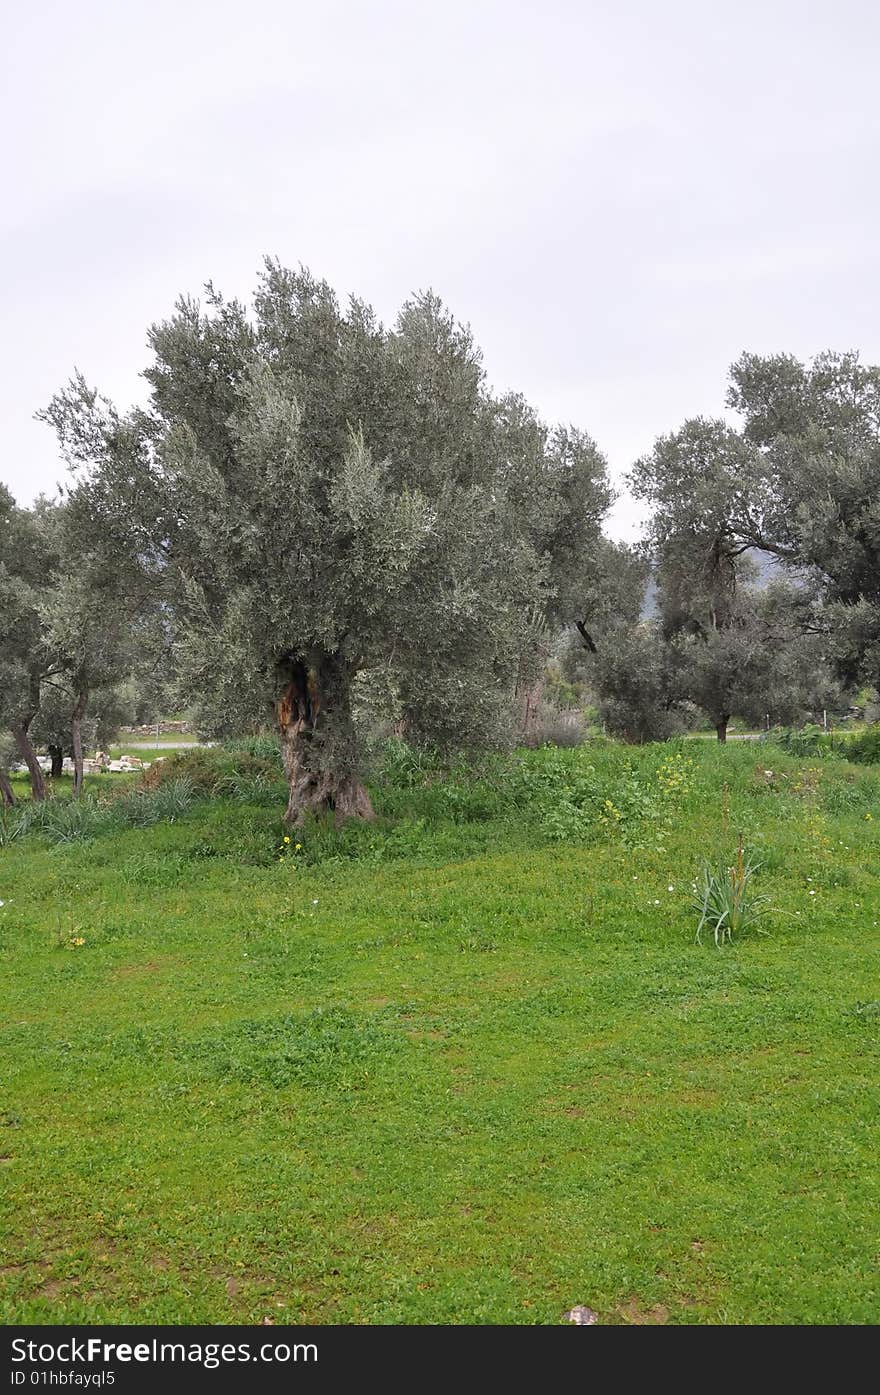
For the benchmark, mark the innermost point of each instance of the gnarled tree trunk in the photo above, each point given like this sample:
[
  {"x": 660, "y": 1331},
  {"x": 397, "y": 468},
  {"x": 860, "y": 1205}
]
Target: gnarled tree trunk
[
  {"x": 528, "y": 697},
  {"x": 7, "y": 794},
  {"x": 318, "y": 745},
  {"x": 721, "y": 728},
  {"x": 29, "y": 756},
  {"x": 79, "y": 711},
  {"x": 23, "y": 742},
  {"x": 56, "y": 756}
]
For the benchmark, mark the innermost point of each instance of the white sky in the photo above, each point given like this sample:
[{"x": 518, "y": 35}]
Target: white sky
[{"x": 619, "y": 197}]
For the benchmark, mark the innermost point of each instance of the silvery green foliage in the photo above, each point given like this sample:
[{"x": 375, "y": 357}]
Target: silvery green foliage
[
  {"x": 84, "y": 627},
  {"x": 815, "y": 430},
  {"x": 612, "y": 601},
  {"x": 51, "y": 728},
  {"x": 66, "y": 632},
  {"x": 638, "y": 685},
  {"x": 376, "y": 706},
  {"x": 310, "y": 488},
  {"x": 698, "y": 482},
  {"x": 740, "y": 651},
  {"x": 108, "y": 710},
  {"x": 28, "y": 560},
  {"x": 761, "y": 665}
]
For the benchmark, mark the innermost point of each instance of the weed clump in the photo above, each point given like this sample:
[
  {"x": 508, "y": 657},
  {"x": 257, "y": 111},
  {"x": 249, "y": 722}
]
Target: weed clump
[{"x": 725, "y": 899}]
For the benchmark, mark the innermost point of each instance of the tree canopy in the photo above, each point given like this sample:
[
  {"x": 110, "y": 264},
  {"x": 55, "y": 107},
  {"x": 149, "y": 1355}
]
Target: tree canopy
[{"x": 315, "y": 496}]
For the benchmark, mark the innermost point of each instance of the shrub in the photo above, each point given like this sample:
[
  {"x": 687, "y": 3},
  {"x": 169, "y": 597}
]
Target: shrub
[
  {"x": 264, "y": 748},
  {"x": 201, "y": 766},
  {"x": 236, "y": 770},
  {"x": 557, "y": 726},
  {"x": 865, "y": 747},
  {"x": 805, "y": 741}
]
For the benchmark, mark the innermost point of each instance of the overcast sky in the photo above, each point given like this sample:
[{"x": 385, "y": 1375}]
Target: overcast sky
[{"x": 619, "y": 197}]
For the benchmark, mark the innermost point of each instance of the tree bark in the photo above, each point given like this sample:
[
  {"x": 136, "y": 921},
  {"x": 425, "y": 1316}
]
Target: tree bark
[
  {"x": 529, "y": 697},
  {"x": 318, "y": 744},
  {"x": 79, "y": 711},
  {"x": 7, "y": 794},
  {"x": 721, "y": 728},
  {"x": 29, "y": 756},
  {"x": 23, "y": 742},
  {"x": 56, "y": 755}
]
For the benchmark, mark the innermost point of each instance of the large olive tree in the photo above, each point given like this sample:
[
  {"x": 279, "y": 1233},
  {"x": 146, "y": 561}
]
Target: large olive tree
[{"x": 314, "y": 495}]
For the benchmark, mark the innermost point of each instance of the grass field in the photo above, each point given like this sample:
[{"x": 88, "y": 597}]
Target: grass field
[{"x": 468, "y": 1065}]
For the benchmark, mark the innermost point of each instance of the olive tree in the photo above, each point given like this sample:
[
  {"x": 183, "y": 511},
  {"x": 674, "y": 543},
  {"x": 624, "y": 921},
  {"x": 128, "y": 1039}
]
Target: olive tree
[
  {"x": 86, "y": 632},
  {"x": 28, "y": 559},
  {"x": 315, "y": 496},
  {"x": 638, "y": 685},
  {"x": 814, "y": 430},
  {"x": 744, "y": 650},
  {"x": 55, "y": 725}
]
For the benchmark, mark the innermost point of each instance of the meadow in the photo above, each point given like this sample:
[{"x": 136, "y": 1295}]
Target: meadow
[{"x": 465, "y": 1065}]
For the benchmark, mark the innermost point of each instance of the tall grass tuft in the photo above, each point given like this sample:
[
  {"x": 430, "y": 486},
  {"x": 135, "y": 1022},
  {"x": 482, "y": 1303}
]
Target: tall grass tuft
[
  {"x": 140, "y": 808},
  {"x": 725, "y": 899}
]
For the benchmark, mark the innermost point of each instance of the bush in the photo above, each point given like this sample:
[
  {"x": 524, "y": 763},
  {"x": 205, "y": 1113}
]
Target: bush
[
  {"x": 865, "y": 748},
  {"x": 250, "y": 773},
  {"x": 236, "y": 769},
  {"x": 77, "y": 820},
  {"x": 816, "y": 741},
  {"x": 806, "y": 741},
  {"x": 251, "y": 789},
  {"x": 201, "y": 766},
  {"x": 557, "y": 726},
  {"x": 265, "y": 748}
]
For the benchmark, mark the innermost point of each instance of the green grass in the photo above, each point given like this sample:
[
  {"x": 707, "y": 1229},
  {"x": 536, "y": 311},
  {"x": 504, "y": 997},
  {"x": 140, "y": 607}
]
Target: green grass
[
  {"x": 465, "y": 1066},
  {"x": 63, "y": 785}
]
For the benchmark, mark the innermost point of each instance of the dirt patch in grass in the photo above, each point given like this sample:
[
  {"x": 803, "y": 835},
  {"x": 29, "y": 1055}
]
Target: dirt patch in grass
[
  {"x": 152, "y": 966},
  {"x": 637, "y": 1315}
]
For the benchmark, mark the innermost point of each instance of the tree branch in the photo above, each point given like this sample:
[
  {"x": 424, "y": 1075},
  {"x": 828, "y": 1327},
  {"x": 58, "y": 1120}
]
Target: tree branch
[{"x": 585, "y": 636}]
